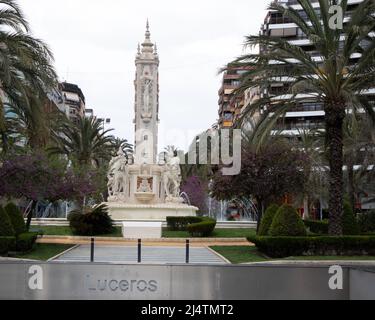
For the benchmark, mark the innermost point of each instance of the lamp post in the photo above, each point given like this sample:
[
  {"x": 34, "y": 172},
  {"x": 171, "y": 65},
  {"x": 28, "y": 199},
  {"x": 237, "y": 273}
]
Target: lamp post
[{"x": 105, "y": 121}]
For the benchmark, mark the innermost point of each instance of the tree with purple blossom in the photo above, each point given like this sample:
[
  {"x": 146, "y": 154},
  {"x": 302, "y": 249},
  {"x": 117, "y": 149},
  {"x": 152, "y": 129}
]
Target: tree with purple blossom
[
  {"x": 197, "y": 193},
  {"x": 268, "y": 174},
  {"x": 35, "y": 177}
]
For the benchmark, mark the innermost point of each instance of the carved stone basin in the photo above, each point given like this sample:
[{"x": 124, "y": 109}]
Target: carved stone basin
[{"x": 145, "y": 197}]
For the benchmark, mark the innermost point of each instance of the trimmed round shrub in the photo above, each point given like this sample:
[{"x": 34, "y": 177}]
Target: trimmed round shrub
[
  {"x": 350, "y": 225},
  {"x": 6, "y": 228},
  {"x": 25, "y": 241},
  {"x": 16, "y": 218},
  {"x": 287, "y": 223},
  {"x": 205, "y": 228},
  {"x": 181, "y": 223},
  {"x": 91, "y": 222},
  {"x": 267, "y": 219},
  {"x": 366, "y": 222}
]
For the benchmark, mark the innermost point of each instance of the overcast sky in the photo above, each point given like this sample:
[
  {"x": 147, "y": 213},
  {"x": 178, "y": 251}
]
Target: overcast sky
[{"x": 94, "y": 43}]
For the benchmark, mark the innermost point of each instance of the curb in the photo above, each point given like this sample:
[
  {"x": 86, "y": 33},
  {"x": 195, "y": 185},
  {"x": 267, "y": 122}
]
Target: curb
[
  {"x": 124, "y": 240},
  {"x": 61, "y": 253},
  {"x": 219, "y": 255}
]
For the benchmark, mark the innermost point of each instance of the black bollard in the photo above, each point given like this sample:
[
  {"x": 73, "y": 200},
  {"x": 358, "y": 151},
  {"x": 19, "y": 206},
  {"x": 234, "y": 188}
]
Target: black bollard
[
  {"x": 92, "y": 250},
  {"x": 187, "y": 251},
  {"x": 139, "y": 250}
]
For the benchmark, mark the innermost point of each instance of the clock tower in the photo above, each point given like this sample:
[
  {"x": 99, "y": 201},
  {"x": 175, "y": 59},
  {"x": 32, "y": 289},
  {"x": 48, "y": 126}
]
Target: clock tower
[{"x": 146, "y": 102}]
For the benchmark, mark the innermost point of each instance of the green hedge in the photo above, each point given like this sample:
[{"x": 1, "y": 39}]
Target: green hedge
[
  {"x": 267, "y": 219},
  {"x": 366, "y": 221},
  {"x": 6, "y": 228},
  {"x": 181, "y": 223},
  {"x": 202, "y": 229},
  {"x": 196, "y": 226},
  {"x": 25, "y": 241},
  {"x": 6, "y": 243},
  {"x": 16, "y": 218},
  {"x": 280, "y": 247},
  {"x": 316, "y": 226}
]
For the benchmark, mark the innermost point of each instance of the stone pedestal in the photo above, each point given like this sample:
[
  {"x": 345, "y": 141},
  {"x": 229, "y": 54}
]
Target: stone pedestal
[
  {"x": 142, "y": 230},
  {"x": 156, "y": 212}
]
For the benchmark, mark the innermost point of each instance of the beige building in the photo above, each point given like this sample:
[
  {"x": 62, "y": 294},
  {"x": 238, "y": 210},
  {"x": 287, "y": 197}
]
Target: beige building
[{"x": 72, "y": 101}]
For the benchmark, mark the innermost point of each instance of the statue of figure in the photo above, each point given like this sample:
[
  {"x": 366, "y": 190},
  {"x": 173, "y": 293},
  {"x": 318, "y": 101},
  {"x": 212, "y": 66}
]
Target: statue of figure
[
  {"x": 145, "y": 186},
  {"x": 118, "y": 175},
  {"x": 172, "y": 176},
  {"x": 146, "y": 95}
]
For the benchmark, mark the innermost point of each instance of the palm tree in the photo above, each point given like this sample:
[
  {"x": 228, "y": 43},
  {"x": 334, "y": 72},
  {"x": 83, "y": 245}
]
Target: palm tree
[
  {"x": 332, "y": 78},
  {"x": 83, "y": 141},
  {"x": 26, "y": 72},
  {"x": 126, "y": 147}
]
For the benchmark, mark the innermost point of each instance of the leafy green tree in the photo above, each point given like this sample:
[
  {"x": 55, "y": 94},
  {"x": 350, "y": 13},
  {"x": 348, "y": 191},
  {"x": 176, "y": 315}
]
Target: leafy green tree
[
  {"x": 6, "y": 228},
  {"x": 16, "y": 218},
  {"x": 333, "y": 79}
]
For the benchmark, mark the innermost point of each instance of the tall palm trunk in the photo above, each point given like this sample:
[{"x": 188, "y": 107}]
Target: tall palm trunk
[
  {"x": 351, "y": 184},
  {"x": 335, "y": 115}
]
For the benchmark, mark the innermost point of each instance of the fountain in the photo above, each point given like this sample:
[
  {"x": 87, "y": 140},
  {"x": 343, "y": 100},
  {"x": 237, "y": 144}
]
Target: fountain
[
  {"x": 240, "y": 209},
  {"x": 146, "y": 186}
]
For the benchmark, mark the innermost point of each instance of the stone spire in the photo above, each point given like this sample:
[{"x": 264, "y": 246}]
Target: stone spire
[
  {"x": 147, "y": 45},
  {"x": 148, "y": 34}
]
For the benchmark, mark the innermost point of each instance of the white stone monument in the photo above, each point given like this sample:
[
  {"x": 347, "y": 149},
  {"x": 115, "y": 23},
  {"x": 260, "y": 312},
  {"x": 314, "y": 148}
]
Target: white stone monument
[{"x": 143, "y": 187}]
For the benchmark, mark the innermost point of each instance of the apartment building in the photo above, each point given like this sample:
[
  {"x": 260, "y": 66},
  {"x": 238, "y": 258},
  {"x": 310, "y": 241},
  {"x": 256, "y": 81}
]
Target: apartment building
[
  {"x": 72, "y": 101},
  {"x": 230, "y": 107}
]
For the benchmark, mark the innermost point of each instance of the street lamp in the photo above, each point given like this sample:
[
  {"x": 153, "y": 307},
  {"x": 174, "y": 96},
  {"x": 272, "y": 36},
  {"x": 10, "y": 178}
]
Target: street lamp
[{"x": 106, "y": 121}]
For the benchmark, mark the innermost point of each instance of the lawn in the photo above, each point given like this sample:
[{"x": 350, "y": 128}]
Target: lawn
[
  {"x": 245, "y": 254},
  {"x": 218, "y": 233},
  {"x": 66, "y": 231},
  {"x": 43, "y": 252},
  {"x": 239, "y": 254}
]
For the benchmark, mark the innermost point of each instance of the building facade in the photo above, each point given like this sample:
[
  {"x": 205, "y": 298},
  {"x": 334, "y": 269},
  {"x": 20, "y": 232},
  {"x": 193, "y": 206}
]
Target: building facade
[
  {"x": 230, "y": 107},
  {"x": 72, "y": 101}
]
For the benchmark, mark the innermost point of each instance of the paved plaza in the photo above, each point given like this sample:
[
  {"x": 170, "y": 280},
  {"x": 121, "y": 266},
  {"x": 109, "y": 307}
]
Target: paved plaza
[{"x": 150, "y": 255}]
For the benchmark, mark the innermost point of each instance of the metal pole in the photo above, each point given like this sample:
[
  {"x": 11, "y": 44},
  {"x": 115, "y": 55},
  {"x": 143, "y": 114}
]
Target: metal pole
[
  {"x": 139, "y": 250},
  {"x": 92, "y": 250},
  {"x": 187, "y": 251}
]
